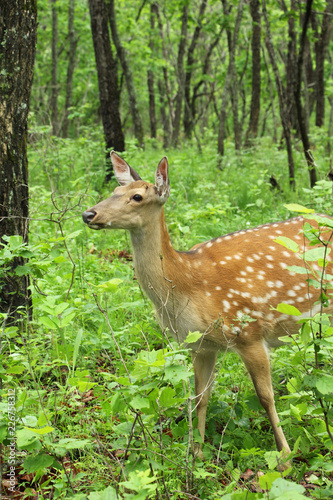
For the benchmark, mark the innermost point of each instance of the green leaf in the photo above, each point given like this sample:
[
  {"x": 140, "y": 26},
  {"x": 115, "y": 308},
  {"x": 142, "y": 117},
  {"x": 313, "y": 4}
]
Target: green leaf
[
  {"x": 111, "y": 285},
  {"x": 73, "y": 235},
  {"x": 325, "y": 384},
  {"x": 288, "y": 309},
  {"x": 46, "y": 321},
  {"x": 288, "y": 243},
  {"x": 295, "y": 207},
  {"x": 77, "y": 344},
  {"x": 193, "y": 337},
  {"x": 266, "y": 481},
  {"x": 315, "y": 254},
  {"x": 166, "y": 397},
  {"x": 108, "y": 494},
  {"x": 285, "y": 490},
  {"x": 44, "y": 430},
  {"x": 37, "y": 462},
  {"x": 298, "y": 269}
]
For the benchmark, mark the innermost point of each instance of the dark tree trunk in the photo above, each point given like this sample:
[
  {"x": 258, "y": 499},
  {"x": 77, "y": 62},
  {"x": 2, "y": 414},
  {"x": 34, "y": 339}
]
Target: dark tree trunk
[
  {"x": 134, "y": 108},
  {"x": 107, "y": 79},
  {"x": 150, "y": 78},
  {"x": 298, "y": 87},
  {"x": 70, "y": 68},
  {"x": 281, "y": 97},
  {"x": 252, "y": 130},
  {"x": 164, "y": 88},
  {"x": 320, "y": 49},
  {"x": 54, "y": 72},
  {"x": 231, "y": 74},
  {"x": 180, "y": 77},
  {"x": 188, "y": 117},
  {"x": 18, "y": 31},
  {"x": 290, "y": 70}
]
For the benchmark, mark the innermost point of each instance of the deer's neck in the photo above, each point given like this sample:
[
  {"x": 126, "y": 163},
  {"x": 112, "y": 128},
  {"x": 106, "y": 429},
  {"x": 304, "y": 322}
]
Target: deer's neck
[{"x": 153, "y": 258}]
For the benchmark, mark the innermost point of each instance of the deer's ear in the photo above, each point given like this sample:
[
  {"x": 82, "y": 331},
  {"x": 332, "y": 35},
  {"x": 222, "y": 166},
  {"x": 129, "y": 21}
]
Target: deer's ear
[
  {"x": 162, "y": 180},
  {"x": 123, "y": 172}
]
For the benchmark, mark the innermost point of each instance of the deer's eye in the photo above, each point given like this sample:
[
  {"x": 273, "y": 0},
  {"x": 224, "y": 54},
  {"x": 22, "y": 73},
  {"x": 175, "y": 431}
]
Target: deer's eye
[{"x": 137, "y": 197}]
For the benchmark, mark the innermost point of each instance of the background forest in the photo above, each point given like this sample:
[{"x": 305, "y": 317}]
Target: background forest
[{"x": 239, "y": 96}]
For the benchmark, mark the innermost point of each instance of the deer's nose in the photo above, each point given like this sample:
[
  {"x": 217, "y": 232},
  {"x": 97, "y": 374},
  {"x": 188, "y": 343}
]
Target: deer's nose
[{"x": 88, "y": 216}]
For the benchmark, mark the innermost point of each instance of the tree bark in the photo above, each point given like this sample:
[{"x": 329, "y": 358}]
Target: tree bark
[
  {"x": 107, "y": 80},
  {"x": 54, "y": 72},
  {"x": 150, "y": 77},
  {"x": 188, "y": 118},
  {"x": 320, "y": 50},
  {"x": 281, "y": 97},
  {"x": 252, "y": 130},
  {"x": 298, "y": 87},
  {"x": 134, "y": 108},
  {"x": 180, "y": 77},
  {"x": 18, "y": 31},
  {"x": 231, "y": 73},
  {"x": 70, "y": 68}
]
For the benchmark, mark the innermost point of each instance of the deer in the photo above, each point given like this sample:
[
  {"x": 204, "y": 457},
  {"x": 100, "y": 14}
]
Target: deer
[{"x": 226, "y": 288}]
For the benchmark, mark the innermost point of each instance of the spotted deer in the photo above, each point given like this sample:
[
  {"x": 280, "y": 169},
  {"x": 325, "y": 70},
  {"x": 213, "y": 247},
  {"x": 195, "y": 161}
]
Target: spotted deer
[{"x": 223, "y": 288}]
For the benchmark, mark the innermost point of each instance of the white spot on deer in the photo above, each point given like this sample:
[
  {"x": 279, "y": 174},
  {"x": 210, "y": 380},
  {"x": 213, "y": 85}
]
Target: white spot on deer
[
  {"x": 297, "y": 287},
  {"x": 262, "y": 272},
  {"x": 243, "y": 273},
  {"x": 235, "y": 303},
  {"x": 226, "y": 305},
  {"x": 205, "y": 282},
  {"x": 269, "y": 317},
  {"x": 275, "y": 225},
  {"x": 241, "y": 280},
  {"x": 283, "y": 265},
  {"x": 256, "y": 257},
  {"x": 257, "y": 314},
  {"x": 199, "y": 250},
  {"x": 300, "y": 299},
  {"x": 285, "y": 253},
  {"x": 208, "y": 294},
  {"x": 228, "y": 257},
  {"x": 227, "y": 237},
  {"x": 249, "y": 269},
  {"x": 222, "y": 262},
  {"x": 209, "y": 244},
  {"x": 278, "y": 231},
  {"x": 270, "y": 266},
  {"x": 213, "y": 263},
  {"x": 249, "y": 259},
  {"x": 237, "y": 256},
  {"x": 269, "y": 257},
  {"x": 260, "y": 277},
  {"x": 218, "y": 240},
  {"x": 245, "y": 295},
  {"x": 218, "y": 288}
]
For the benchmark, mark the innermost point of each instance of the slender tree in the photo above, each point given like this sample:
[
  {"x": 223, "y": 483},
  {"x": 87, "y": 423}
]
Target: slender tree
[
  {"x": 107, "y": 79},
  {"x": 150, "y": 76},
  {"x": 180, "y": 76},
  {"x": 54, "y": 71},
  {"x": 252, "y": 130},
  {"x": 70, "y": 68},
  {"x": 18, "y": 29},
  {"x": 133, "y": 104},
  {"x": 299, "y": 108},
  {"x": 281, "y": 97}
]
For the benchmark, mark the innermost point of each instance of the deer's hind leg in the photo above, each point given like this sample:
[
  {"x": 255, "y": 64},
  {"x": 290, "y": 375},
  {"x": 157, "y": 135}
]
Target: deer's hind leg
[
  {"x": 204, "y": 364},
  {"x": 256, "y": 360}
]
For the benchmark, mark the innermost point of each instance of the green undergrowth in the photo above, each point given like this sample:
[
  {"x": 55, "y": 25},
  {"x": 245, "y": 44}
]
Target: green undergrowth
[{"x": 101, "y": 397}]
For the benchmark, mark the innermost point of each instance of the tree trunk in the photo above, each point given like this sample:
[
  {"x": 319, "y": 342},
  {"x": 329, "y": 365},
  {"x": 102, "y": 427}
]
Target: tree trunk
[
  {"x": 150, "y": 78},
  {"x": 281, "y": 97},
  {"x": 107, "y": 79},
  {"x": 70, "y": 68},
  {"x": 188, "y": 118},
  {"x": 300, "y": 111},
  {"x": 54, "y": 72},
  {"x": 252, "y": 130},
  {"x": 231, "y": 73},
  {"x": 180, "y": 77},
  {"x": 320, "y": 49},
  {"x": 18, "y": 31},
  {"x": 134, "y": 109}
]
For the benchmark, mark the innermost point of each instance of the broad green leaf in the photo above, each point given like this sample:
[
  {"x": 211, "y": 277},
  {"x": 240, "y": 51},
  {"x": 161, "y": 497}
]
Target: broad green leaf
[
  {"x": 286, "y": 490},
  {"x": 295, "y": 207},
  {"x": 111, "y": 285},
  {"x": 166, "y": 397},
  {"x": 77, "y": 344},
  {"x": 74, "y": 234},
  {"x": 288, "y": 243},
  {"x": 37, "y": 462},
  {"x": 298, "y": 269},
  {"x": 325, "y": 384},
  {"x": 288, "y": 309},
  {"x": 44, "y": 430},
  {"x": 266, "y": 481},
  {"x": 315, "y": 254},
  {"x": 193, "y": 337},
  {"x": 73, "y": 444},
  {"x": 49, "y": 323},
  {"x": 108, "y": 494}
]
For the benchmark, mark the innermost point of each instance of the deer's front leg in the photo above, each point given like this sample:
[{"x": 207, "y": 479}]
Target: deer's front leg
[{"x": 204, "y": 364}]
